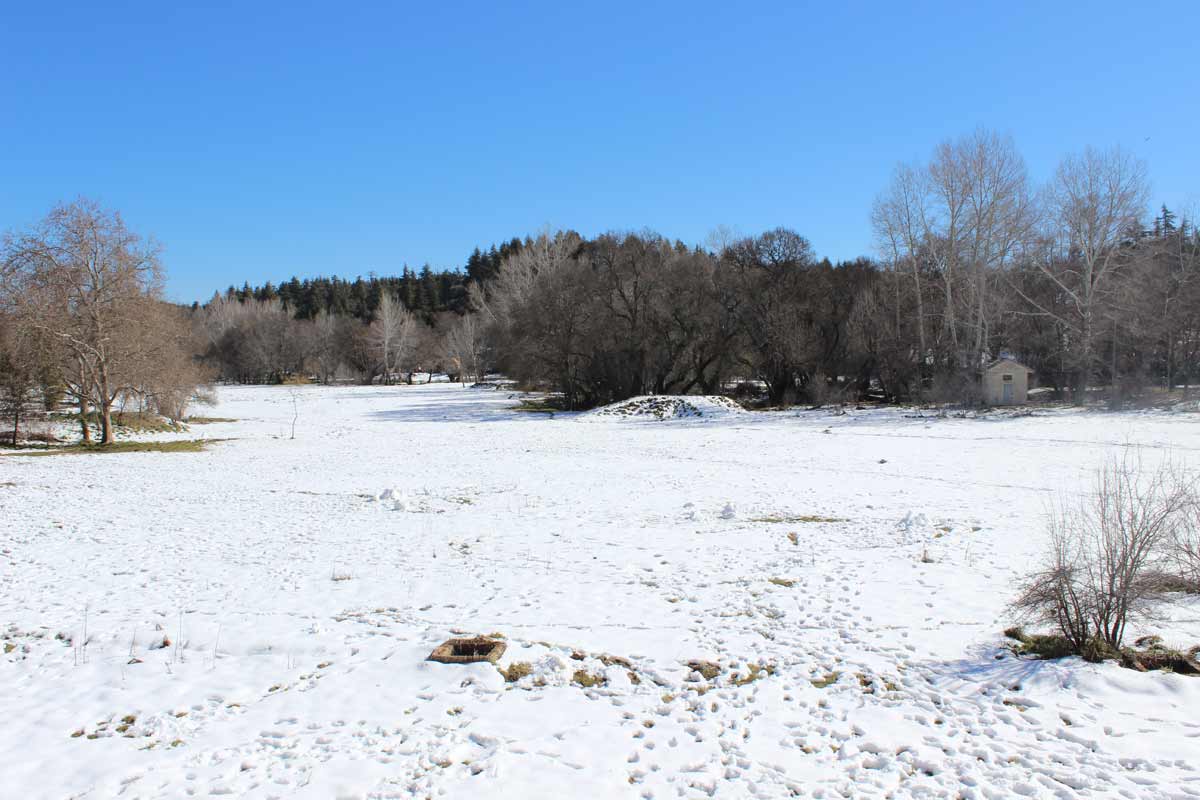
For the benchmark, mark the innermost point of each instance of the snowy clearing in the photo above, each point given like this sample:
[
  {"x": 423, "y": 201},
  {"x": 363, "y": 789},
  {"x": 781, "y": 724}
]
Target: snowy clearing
[{"x": 253, "y": 620}]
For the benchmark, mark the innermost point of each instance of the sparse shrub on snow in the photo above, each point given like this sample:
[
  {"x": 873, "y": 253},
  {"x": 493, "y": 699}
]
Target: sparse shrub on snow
[{"x": 1106, "y": 551}]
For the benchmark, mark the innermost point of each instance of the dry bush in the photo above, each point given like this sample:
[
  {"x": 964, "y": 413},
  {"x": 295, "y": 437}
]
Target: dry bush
[
  {"x": 1106, "y": 550},
  {"x": 1185, "y": 548}
]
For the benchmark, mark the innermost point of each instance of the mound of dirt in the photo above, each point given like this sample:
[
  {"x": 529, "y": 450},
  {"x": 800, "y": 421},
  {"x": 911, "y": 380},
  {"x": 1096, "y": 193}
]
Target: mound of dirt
[{"x": 665, "y": 407}]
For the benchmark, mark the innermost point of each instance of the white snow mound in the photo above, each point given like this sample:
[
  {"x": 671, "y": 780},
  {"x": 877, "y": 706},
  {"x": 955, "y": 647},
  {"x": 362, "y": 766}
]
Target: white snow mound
[{"x": 664, "y": 407}]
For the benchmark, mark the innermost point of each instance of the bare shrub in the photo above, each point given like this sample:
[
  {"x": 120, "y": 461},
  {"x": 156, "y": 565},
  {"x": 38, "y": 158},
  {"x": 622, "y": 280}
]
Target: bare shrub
[
  {"x": 1185, "y": 548},
  {"x": 1106, "y": 548}
]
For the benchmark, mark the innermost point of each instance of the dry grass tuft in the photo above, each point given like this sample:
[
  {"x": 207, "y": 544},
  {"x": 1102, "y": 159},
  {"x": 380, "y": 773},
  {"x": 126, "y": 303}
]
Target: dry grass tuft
[
  {"x": 778, "y": 519},
  {"x": 516, "y": 670},
  {"x": 754, "y": 672},
  {"x": 588, "y": 680},
  {"x": 828, "y": 680}
]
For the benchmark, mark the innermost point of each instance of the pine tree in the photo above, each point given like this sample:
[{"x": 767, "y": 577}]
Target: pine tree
[
  {"x": 428, "y": 295},
  {"x": 1168, "y": 221}
]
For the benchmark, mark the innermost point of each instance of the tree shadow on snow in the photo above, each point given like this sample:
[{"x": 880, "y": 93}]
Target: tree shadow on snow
[
  {"x": 999, "y": 668},
  {"x": 467, "y": 409}
]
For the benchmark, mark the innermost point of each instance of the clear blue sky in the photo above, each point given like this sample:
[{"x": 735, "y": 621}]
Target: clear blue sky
[{"x": 261, "y": 140}]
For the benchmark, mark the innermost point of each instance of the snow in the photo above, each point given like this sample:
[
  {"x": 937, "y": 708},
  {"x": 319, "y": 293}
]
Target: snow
[{"x": 258, "y": 615}]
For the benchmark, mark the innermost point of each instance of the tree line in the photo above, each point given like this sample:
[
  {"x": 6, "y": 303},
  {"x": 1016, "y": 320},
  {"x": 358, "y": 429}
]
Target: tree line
[
  {"x": 263, "y": 341},
  {"x": 424, "y": 291},
  {"x": 973, "y": 261}
]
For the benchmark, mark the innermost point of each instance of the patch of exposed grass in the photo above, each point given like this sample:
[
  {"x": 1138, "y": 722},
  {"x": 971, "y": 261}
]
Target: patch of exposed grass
[
  {"x": 1043, "y": 646},
  {"x": 779, "y": 519},
  {"x": 753, "y": 673},
  {"x": 870, "y": 684},
  {"x": 130, "y": 421},
  {"x": 516, "y": 670},
  {"x": 587, "y": 680},
  {"x": 786, "y": 583},
  {"x": 615, "y": 661},
  {"x": 208, "y": 420},
  {"x": 827, "y": 680},
  {"x": 178, "y": 446},
  {"x": 1148, "y": 654},
  {"x": 1158, "y": 657},
  {"x": 707, "y": 669}
]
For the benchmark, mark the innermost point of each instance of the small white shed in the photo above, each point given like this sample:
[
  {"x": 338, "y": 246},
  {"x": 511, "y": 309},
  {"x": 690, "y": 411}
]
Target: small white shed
[{"x": 1005, "y": 383}]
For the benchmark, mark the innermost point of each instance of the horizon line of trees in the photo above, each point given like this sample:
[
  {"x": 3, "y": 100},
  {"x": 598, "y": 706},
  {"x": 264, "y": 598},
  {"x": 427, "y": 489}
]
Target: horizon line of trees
[
  {"x": 383, "y": 328},
  {"x": 426, "y": 291},
  {"x": 974, "y": 262}
]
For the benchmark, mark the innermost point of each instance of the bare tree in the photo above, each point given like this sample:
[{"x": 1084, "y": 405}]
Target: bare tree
[
  {"x": 953, "y": 225},
  {"x": 898, "y": 219},
  {"x": 89, "y": 283},
  {"x": 19, "y": 366},
  {"x": 165, "y": 373},
  {"x": 391, "y": 333},
  {"x": 465, "y": 345},
  {"x": 1000, "y": 219},
  {"x": 770, "y": 273},
  {"x": 325, "y": 346},
  {"x": 518, "y": 275},
  {"x": 1094, "y": 202},
  {"x": 945, "y": 229}
]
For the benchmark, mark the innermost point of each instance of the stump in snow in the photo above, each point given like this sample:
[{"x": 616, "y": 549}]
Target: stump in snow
[{"x": 468, "y": 651}]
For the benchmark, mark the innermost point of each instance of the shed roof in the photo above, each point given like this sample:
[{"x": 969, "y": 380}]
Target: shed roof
[{"x": 1000, "y": 361}]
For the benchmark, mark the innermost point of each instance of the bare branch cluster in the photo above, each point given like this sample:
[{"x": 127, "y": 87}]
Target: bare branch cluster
[{"x": 1110, "y": 552}]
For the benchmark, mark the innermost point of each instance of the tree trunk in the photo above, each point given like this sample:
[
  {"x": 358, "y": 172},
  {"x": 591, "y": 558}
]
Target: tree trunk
[
  {"x": 1114, "y": 397},
  {"x": 83, "y": 420},
  {"x": 1085, "y": 360},
  {"x": 106, "y": 432}
]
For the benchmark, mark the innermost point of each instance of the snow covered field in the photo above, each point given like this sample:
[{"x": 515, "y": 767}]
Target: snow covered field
[{"x": 257, "y": 619}]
